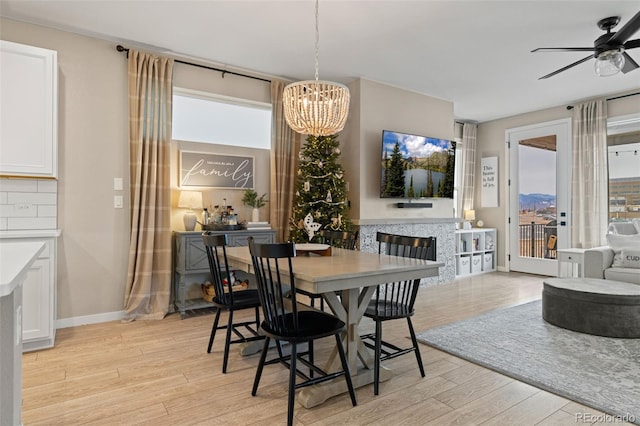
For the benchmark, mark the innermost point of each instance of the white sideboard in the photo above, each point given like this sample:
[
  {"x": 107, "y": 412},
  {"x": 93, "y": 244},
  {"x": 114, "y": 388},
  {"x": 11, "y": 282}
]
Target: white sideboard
[
  {"x": 475, "y": 250},
  {"x": 28, "y": 110}
]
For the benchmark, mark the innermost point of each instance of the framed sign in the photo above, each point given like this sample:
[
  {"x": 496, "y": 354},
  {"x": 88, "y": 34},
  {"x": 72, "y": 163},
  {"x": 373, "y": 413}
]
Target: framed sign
[
  {"x": 489, "y": 182},
  {"x": 216, "y": 170}
]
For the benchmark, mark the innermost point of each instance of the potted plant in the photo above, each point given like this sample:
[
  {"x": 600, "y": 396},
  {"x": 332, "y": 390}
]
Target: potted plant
[{"x": 251, "y": 199}]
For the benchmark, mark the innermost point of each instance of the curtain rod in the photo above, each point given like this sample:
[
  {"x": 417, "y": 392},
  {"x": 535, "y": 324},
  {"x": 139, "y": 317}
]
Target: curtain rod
[
  {"x": 570, "y": 107},
  {"x": 121, "y": 48}
]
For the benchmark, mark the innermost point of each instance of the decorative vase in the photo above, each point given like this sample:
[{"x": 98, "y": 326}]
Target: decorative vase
[
  {"x": 189, "y": 219},
  {"x": 255, "y": 214}
]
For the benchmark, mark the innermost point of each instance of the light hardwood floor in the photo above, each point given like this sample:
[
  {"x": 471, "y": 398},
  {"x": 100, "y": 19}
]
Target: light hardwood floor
[{"x": 158, "y": 373}]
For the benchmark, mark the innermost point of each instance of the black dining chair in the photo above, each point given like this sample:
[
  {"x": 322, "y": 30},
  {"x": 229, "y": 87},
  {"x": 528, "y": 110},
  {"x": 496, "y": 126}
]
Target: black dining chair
[
  {"x": 340, "y": 239},
  {"x": 395, "y": 300},
  {"x": 226, "y": 299},
  {"x": 284, "y": 322}
]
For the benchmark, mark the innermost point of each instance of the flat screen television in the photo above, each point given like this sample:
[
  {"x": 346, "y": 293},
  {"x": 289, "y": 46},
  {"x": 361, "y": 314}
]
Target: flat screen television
[{"x": 416, "y": 166}]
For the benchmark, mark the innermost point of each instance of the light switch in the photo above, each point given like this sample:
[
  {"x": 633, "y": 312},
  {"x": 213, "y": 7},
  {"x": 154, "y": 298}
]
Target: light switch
[
  {"x": 117, "y": 201},
  {"x": 117, "y": 184}
]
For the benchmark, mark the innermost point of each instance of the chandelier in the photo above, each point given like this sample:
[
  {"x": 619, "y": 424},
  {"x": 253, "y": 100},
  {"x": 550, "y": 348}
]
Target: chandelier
[{"x": 316, "y": 107}]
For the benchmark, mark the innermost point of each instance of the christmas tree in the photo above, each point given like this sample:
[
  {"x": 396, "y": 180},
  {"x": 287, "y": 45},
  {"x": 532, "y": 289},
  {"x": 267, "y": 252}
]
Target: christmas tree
[{"x": 320, "y": 201}]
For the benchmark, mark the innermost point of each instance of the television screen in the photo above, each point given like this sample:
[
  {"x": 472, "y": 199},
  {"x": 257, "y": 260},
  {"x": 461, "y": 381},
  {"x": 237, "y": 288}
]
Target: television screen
[{"x": 416, "y": 166}]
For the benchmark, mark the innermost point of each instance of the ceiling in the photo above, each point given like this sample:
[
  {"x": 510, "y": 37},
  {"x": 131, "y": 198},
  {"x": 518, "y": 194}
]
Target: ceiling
[{"x": 476, "y": 54}]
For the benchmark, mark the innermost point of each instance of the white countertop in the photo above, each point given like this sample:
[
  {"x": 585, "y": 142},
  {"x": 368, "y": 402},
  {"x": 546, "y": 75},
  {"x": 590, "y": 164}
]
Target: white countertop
[
  {"x": 15, "y": 259},
  {"x": 31, "y": 233}
]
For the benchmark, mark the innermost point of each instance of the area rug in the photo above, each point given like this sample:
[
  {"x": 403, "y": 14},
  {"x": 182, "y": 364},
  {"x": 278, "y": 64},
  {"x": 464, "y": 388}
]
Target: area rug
[{"x": 601, "y": 372}]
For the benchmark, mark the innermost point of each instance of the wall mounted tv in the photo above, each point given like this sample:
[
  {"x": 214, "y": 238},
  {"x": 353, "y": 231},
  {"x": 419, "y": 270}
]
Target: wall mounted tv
[{"x": 416, "y": 166}]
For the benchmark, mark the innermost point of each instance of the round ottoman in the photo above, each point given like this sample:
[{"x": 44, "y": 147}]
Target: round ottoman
[{"x": 592, "y": 306}]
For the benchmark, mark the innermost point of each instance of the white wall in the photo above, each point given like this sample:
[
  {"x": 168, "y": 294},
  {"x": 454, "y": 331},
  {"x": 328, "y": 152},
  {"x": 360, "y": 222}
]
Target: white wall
[
  {"x": 376, "y": 107},
  {"x": 93, "y": 148},
  {"x": 491, "y": 142}
]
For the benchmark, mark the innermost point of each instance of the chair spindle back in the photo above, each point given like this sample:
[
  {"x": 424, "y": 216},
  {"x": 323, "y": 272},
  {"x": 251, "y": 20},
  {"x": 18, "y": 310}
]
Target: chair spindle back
[
  {"x": 215, "y": 246},
  {"x": 340, "y": 239},
  {"x": 398, "y": 298},
  {"x": 272, "y": 263}
]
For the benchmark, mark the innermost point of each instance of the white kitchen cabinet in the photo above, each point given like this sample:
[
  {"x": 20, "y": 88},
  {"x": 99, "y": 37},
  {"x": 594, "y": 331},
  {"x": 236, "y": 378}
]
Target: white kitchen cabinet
[
  {"x": 39, "y": 300},
  {"x": 475, "y": 250},
  {"x": 28, "y": 110},
  {"x": 38, "y": 290}
]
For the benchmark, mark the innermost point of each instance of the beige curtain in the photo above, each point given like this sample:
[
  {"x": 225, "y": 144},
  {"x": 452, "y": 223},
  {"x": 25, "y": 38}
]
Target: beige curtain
[
  {"x": 589, "y": 180},
  {"x": 149, "y": 275},
  {"x": 285, "y": 146},
  {"x": 469, "y": 132}
]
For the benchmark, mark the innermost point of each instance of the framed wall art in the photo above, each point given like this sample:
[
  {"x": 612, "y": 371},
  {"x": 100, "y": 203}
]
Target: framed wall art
[{"x": 205, "y": 169}]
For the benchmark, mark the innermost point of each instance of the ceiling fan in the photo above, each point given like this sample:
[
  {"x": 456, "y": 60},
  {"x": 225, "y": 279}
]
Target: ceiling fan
[{"x": 609, "y": 50}]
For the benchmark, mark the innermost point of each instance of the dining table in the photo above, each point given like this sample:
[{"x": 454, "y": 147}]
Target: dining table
[{"x": 346, "y": 280}]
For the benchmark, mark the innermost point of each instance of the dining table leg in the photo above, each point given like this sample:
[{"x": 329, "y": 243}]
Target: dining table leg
[{"x": 350, "y": 308}]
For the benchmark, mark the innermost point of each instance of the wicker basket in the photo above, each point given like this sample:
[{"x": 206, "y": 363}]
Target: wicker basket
[{"x": 208, "y": 291}]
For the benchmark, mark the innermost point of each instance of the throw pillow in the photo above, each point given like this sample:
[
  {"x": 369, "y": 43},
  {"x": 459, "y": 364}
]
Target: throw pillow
[
  {"x": 619, "y": 242},
  {"x": 630, "y": 258},
  {"x": 636, "y": 223}
]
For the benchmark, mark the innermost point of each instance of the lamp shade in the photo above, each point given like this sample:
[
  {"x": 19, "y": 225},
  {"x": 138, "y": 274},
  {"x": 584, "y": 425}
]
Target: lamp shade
[
  {"x": 316, "y": 107},
  {"x": 609, "y": 63},
  {"x": 190, "y": 199},
  {"x": 469, "y": 215}
]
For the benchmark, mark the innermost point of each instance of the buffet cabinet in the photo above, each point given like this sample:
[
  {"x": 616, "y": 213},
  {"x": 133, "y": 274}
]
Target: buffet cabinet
[
  {"x": 475, "y": 250},
  {"x": 192, "y": 266}
]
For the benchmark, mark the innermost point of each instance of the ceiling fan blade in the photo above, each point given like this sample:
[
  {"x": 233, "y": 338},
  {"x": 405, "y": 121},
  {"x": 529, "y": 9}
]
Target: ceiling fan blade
[
  {"x": 566, "y": 68},
  {"x": 629, "y": 63},
  {"x": 563, "y": 49},
  {"x": 627, "y": 30},
  {"x": 632, "y": 44}
]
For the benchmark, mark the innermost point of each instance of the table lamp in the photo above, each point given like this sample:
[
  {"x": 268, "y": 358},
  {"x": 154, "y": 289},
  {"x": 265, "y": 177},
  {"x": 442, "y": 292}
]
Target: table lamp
[
  {"x": 469, "y": 217},
  {"x": 190, "y": 200}
]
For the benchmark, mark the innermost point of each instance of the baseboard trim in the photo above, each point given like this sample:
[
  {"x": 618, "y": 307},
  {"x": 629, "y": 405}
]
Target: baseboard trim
[{"x": 89, "y": 319}]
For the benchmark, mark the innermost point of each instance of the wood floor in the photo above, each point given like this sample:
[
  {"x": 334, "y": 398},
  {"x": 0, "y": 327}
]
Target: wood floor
[{"x": 158, "y": 373}]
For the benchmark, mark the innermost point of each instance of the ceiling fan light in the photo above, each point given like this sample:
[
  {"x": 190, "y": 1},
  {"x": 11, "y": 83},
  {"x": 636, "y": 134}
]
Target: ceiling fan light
[{"x": 609, "y": 63}]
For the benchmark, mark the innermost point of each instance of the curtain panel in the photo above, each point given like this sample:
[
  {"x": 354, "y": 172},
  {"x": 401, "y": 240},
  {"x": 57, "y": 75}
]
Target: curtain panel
[
  {"x": 590, "y": 175},
  {"x": 285, "y": 147},
  {"x": 148, "y": 286},
  {"x": 469, "y": 136}
]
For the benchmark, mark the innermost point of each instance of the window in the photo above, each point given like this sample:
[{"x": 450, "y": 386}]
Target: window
[
  {"x": 623, "y": 140},
  {"x": 207, "y": 118}
]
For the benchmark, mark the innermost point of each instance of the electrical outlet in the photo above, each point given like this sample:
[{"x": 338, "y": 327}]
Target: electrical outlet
[{"x": 23, "y": 206}]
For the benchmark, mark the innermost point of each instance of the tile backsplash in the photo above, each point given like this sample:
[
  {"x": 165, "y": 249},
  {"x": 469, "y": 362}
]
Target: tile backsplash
[{"x": 28, "y": 204}]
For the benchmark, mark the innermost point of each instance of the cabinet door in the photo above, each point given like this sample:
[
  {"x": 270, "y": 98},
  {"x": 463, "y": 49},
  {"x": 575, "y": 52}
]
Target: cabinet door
[
  {"x": 28, "y": 110},
  {"x": 36, "y": 302},
  {"x": 195, "y": 254}
]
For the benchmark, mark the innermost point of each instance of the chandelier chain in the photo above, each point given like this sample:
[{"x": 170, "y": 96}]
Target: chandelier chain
[{"x": 317, "y": 40}]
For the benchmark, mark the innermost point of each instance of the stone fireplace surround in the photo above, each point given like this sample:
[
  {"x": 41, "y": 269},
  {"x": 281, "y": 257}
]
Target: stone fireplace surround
[{"x": 441, "y": 228}]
